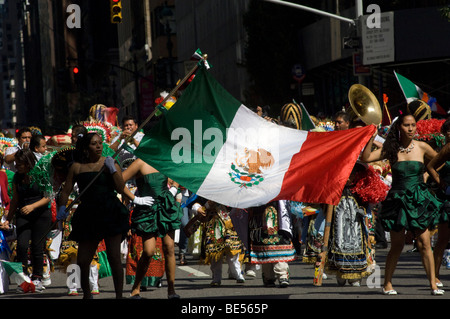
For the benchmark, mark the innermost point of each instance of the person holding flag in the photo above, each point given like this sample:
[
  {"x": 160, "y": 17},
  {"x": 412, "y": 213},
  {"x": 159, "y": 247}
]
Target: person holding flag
[
  {"x": 100, "y": 215},
  {"x": 409, "y": 204},
  {"x": 156, "y": 214}
]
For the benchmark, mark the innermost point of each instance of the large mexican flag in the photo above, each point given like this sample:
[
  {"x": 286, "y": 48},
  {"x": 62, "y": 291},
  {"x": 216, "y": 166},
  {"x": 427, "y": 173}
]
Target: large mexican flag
[{"x": 213, "y": 145}]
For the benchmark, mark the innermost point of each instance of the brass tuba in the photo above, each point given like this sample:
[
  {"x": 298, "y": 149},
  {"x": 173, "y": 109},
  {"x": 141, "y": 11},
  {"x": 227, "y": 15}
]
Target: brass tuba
[{"x": 363, "y": 105}]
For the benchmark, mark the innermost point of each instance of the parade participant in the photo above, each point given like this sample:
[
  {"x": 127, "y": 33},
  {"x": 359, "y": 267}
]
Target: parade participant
[
  {"x": 441, "y": 163},
  {"x": 129, "y": 126},
  {"x": 33, "y": 216},
  {"x": 78, "y": 130},
  {"x": 100, "y": 215},
  {"x": 220, "y": 240},
  {"x": 156, "y": 214},
  {"x": 349, "y": 251},
  {"x": 344, "y": 122},
  {"x": 155, "y": 271},
  {"x": 61, "y": 162},
  {"x": 184, "y": 240},
  {"x": 341, "y": 121},
  {"x": 24, "y": 137},
  {"x": 156, "y": 268},
  {"x": 38, "y": 145},
  {"x": 5, "y": 231},
  {"x": 270, "y": 242},
  {"x": 409, "y": 204}
]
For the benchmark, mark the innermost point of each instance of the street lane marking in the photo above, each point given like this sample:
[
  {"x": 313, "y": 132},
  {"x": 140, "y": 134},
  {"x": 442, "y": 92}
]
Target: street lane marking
[{"x": 193, "y": 272}]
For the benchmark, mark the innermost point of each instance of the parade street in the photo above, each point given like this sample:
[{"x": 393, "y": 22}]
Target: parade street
[{"x": 193, "y": 283}]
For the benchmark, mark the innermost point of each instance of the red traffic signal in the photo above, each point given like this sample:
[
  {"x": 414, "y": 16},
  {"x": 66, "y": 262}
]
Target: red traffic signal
[
  {"x": 116, "y": 11},
  {"x": 75, "y": 70}
]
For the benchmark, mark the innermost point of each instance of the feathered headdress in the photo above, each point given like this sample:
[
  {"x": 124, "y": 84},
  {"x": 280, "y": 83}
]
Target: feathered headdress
[{"x": 98, "y": 127}]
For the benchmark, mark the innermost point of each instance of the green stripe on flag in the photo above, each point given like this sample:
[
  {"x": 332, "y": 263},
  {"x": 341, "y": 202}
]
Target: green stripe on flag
[
  {"x": 180, "y": 141},
  {"x": 307, "y": 123},
  {"x": 12, "y": 267},
  {"x": 410, "y": 90}
]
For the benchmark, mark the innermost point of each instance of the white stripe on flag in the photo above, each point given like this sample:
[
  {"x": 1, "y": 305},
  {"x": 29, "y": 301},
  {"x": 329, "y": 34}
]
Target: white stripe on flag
[{"x": 248, "y": 131}]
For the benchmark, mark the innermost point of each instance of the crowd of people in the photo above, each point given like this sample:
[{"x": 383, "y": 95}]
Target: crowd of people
[{"x": 92, "y": 201}]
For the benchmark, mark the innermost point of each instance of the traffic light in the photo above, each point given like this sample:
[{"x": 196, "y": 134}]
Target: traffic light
[
  {"x": 116, "y": 11},
  {"x": 75, "y": 70}
]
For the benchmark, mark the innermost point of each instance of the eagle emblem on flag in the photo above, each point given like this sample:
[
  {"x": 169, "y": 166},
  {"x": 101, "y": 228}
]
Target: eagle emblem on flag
[{"x": 248, "y": 170}]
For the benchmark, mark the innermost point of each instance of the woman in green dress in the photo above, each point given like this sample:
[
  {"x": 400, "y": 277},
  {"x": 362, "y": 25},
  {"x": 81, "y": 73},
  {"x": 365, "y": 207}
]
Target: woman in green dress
[
  {"x": 409, "y": 204},
  {"x": 156, "y": 214},
  {"x": 100, "y": 214}
]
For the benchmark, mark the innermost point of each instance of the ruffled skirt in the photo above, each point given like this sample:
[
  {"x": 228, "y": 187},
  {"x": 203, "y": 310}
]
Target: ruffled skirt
[{"x": 412, "y": 209}]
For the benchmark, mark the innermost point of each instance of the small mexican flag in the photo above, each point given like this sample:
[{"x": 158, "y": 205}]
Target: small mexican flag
[
  {"x": 16, "y": 274},
  {"x": 307, "y": 122},
  {"x": 412, "y": 92},
  {"x": 216, "y": 147}
]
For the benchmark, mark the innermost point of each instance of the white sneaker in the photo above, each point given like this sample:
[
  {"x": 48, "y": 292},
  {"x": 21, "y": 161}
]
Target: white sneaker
[
  {"x": 250, "y": 273},
  {"x": 38, "y": 287},
  {"x": 355, "y": 283}
]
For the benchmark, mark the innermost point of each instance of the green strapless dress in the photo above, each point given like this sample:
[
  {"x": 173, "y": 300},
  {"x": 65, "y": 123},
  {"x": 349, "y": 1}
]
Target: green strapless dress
[
  {"x": 100, "y": 213},
  {"x": 165, "y": 213},
  {"x": 410, "y": 204}
]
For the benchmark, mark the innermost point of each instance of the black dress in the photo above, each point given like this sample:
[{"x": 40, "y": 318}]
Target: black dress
[{"x": 100, "y": 213}]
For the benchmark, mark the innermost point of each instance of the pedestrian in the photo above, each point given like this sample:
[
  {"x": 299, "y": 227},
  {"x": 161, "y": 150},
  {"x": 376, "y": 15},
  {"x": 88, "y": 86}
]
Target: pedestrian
[
  {"x": 32, "y": 215},
  {"x": 409, "y": 204},
  {"x": 100, "y": 214},
  {"x": 439, "y": 168},
  {"x": 156, "y": 214}
]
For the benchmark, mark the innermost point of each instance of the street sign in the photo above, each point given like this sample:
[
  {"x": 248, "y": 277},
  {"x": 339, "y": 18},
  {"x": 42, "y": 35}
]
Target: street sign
[
  {"x": 378, "y": 43},
  {"x": 351, "y": 42}
]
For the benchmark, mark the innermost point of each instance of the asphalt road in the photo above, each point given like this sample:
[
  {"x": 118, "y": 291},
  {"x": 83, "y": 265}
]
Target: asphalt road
[{"x": 192, "y": 284}]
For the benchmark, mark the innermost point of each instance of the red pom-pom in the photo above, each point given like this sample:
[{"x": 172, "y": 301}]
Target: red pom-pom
[{"x": 370, "y": 187}]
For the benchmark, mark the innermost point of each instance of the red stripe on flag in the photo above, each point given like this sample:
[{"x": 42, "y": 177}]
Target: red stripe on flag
[{"x": 318, "y": 173}]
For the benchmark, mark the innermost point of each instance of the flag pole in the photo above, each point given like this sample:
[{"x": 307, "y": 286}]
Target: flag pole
[{"x": 174, "y": 90}]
